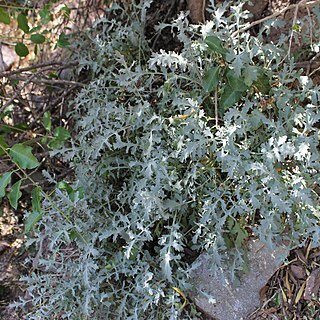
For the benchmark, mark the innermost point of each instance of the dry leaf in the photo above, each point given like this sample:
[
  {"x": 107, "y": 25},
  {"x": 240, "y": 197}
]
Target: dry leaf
[
  {"x": 312, "y": 284},
  {"x": 298, "y": 272},
  {"x": 299, "y": 294}
]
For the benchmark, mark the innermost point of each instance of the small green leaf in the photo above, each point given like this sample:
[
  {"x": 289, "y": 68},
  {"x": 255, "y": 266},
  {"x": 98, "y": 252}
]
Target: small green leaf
[
  {"x": 15, "y": 194},
  {"x": 36, "y": 213},
  {"x": 4, "y": 17},
  {"x": 4, "y": 181},
  {"x": 250, "y": 74},
  {"x": 36, "y": 199},
  {"x": 229, "y": 98},
  {"x": 47, "y": 120},
  {"x": 63, "y": 41},
  {"x": 31, "y": 221},
  {"x": 23, "y": 157},
  {"x": 23, "y": 23},
  {"x": 37, "y": 38},
  {"x": 263, "y": 83},
  {"x": 21, "y": 49},
  {"x": 215, "y": 44},
  {"x": 45, "y": 14},
  {"x": 35, "y": 29},
  {"x": 211, "y": 79},
  {"x": 61, "y": 133},
  {"x": 66, "y": 11},
  {"x": 3, "y": 145},
  {"x": 235, "y": 82}
]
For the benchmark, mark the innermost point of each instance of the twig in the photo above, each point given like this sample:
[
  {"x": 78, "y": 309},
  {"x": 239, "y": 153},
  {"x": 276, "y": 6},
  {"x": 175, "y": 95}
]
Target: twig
[
  {"x": 274, "y": 15},
  {"x": 36, "y": 66},
  {"x": 15, "y": 96},
  {"x": 52, "y": 82}
]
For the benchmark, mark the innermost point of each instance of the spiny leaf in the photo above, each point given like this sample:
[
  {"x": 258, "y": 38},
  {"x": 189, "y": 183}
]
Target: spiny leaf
[
  {"x": 229, "y": 98},
  {"x": 215, "y": 44},
  {"x": 235, "y": 82},
  {"x": 263, "y": 83},
  {"x": 15, "y": 194},
  {"x": 4, "y": 181},
  {"x": 23, "y": 157},
  {"x": 211, "y": 79}
]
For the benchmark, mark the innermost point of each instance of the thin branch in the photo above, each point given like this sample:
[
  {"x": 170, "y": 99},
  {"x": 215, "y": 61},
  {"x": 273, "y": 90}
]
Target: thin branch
[
  {"x": 36, "y": 66},
  {"x": 276, "y": 14},
  {"x": 52, "y": 82}
]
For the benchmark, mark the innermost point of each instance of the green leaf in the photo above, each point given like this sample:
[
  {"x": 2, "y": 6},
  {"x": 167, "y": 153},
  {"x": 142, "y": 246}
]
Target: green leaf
[
  {"x": 263, "y": 83},
  {"x": 4, "y": 181},
  {"x": 66, "y": 11},
  {"x": 211, "y": 79},
  {"x": 3, "y": 145},
  {"x": 235, "y": 82},
  {"x": 36, "y": 199},
  {"x": 47, "y": 120},
  {"x": 229, "y": 98},
  {"x": 4, "y": 17},
  {"x": 31, "y": 221},
  {"x": 23, "y": 157},
  {"x": 61, "y": 133},
  {"x": 63, "y": 41},
  {"x": 37, "y": 38},
  {"x": 215, "y": 44},
  {"x": 250, "y": 74},
  {"x": 15, "y": 194},
  {"x": 21, "y": 49},
  {"x": 36, "y": 213},
  {"x": 23, "y": 23},
  {"x": 45, "y": 14}
]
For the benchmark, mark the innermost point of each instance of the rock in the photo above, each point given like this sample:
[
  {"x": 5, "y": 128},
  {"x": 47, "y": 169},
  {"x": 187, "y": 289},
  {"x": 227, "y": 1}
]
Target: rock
[
  {"x": 218, "y": 298},
  {"x": 7, "y": 58}
]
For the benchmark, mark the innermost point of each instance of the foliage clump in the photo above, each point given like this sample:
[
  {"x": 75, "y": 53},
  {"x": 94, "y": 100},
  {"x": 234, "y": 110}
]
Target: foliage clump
[{"x": 175, "y": 152}]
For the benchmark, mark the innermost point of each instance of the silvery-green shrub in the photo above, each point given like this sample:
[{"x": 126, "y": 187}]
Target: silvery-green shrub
[{"x": 156, "y": 175}]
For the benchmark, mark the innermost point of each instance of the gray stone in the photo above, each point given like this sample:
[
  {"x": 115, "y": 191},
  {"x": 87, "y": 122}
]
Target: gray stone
[
  {"x": 7, "y": 57},
  {"x": 218, "y": 298}
]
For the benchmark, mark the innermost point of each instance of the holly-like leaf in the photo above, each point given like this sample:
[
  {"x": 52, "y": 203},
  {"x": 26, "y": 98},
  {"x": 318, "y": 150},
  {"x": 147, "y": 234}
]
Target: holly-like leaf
[
  {"x": 263, "y": 82},
  {"x": 229, "y": 98},
  {"x": 215, "y": 44},
  {"x": 235, "y": 82},
  {"x": 23, "y": 157},
  {"x": 250, "y": 74},
  {"x": 21, "y": 49},
  {"x": 4, "y": 181},
  {"x": 4, "y": 17},
  {"x": 15, "y": 194},
  {"x": 211, "y": 79},
  {"x": 37, "y": 38},
  {"x": 23, "y": 23}
]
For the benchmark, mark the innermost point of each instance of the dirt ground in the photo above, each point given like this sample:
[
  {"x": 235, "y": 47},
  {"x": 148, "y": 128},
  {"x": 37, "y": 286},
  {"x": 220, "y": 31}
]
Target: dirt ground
[{"x": 305, "y": 261}]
